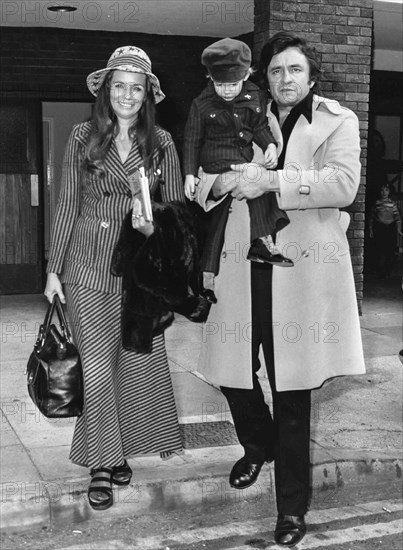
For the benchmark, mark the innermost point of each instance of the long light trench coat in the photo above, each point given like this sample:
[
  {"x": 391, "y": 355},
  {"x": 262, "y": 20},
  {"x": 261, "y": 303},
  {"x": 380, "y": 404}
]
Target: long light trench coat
[{"x": 316, "y": 327}]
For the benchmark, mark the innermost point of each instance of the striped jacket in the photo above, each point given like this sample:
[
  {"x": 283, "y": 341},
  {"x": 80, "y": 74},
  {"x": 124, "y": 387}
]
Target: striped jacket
[
  {"x": 219, "y": 133},
  {"x": 89, "y": 217}
]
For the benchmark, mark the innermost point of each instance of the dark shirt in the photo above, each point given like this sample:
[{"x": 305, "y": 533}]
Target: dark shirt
[
  {"x": 219, "y": 133},
  {"x": 304, "y": 108}
]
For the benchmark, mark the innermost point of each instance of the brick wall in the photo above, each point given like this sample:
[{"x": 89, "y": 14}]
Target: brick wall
[
  {"x": 52, "y": 64},
  {"x": 341, "y": 30}
]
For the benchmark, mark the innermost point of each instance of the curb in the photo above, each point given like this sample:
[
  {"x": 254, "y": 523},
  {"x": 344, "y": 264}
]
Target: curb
[{"x": 55, "y": 504}]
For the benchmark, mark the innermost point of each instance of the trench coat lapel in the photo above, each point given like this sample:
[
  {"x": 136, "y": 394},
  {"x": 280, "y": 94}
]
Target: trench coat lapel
[{"x": 306, "y": 138}]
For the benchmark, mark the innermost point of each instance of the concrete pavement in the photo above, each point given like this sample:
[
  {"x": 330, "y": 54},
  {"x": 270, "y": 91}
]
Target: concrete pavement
[{"x": 356, "y": 427}]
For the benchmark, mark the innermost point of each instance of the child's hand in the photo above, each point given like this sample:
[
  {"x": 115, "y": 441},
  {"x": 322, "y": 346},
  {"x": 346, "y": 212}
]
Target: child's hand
[
  {"x": 270, "y": 157},
  {"x": 190, "y": 187}
]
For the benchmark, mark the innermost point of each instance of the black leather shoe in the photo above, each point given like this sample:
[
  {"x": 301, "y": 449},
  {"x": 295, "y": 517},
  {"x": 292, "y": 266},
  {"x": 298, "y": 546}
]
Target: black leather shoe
[
  {"x": 290, "y": 530},
  {"x": 209, "y": 295},
  {"x": 258, "y": 252},
  {"x": 244, "y": 473}
]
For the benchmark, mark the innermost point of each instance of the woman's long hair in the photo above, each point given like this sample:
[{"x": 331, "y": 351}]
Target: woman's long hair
[{"x": 105, "y": 127}]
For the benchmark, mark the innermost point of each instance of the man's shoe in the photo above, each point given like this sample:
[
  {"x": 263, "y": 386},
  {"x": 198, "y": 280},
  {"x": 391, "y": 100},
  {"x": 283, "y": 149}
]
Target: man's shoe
[
  {"x": 244, "y": 473},
  {"x": 258, "y": 252},
  {"x": 290, "y": 530}
]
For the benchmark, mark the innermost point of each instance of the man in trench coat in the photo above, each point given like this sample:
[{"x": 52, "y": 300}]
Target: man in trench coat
[{"x": 304, "y": 319}]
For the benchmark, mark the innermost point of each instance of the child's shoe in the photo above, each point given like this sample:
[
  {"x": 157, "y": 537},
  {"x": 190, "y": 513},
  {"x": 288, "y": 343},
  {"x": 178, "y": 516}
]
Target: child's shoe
[
  {"x": 209, "y": 295},
  {"x": 259, "y": 252},
  {"x": 207, "y": 290}
]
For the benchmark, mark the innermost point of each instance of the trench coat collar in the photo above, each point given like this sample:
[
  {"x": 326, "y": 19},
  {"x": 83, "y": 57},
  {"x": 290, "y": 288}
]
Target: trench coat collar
[{"x": 306, "y": 138}]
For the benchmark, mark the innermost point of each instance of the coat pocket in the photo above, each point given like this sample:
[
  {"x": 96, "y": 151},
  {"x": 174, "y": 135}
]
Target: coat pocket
[{"x": 84, "y": 243}]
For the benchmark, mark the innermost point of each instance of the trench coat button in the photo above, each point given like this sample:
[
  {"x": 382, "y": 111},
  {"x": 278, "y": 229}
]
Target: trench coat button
[
  {"x": 105, "y": 225},
  {"x": 241, "y": 134},
  {"x": 224, "y": 254}
]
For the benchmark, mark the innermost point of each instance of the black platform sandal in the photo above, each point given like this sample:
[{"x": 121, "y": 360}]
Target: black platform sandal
[
  {"x": 100, "y": 494},
  {"x": 121, "y": 475}
]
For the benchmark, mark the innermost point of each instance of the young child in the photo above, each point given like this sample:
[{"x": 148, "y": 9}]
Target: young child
[{"x": 223, "y": 122}]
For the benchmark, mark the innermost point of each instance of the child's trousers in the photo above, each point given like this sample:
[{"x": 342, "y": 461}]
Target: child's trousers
[{"x": 266, "y": 218}]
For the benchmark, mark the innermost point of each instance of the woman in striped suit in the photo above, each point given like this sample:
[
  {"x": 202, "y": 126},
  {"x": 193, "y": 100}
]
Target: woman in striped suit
[{"x": 129, "y": 401}]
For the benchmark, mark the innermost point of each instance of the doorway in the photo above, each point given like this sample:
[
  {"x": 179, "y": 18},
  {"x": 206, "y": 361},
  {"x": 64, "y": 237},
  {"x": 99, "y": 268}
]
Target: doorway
[
  {"x": 32, "y": 141},
  {"x": 58, "y": 119},
  {"x": 21, "y": 216}
]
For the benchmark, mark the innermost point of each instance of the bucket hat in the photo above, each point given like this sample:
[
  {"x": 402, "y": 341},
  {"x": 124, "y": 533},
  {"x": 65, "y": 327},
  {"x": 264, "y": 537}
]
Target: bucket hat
[
  {"x": 132, "y": 60},
  {"x": 227, "y": 60}
]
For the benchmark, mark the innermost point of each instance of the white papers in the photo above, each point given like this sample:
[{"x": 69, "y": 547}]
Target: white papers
[{"x": 145, "y": 196}]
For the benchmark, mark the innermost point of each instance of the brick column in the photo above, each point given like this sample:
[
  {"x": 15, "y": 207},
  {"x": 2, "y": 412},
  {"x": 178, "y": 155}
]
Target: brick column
[{"x": 341, "y": 31}]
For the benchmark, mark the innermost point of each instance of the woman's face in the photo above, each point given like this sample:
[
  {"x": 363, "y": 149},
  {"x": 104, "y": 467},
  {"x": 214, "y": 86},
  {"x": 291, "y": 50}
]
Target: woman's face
[
  {"x": 127, "y": 93},
  {"x": 289, "y": 77}
]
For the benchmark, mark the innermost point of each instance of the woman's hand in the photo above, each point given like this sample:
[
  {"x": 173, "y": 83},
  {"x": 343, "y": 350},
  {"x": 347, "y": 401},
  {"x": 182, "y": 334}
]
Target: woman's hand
[
  {"x": 140, "y": 224},
  {"x": 138, "y": 221},
  {"x": 251, "y": 180},
  {"x": 54, "y": 286}
]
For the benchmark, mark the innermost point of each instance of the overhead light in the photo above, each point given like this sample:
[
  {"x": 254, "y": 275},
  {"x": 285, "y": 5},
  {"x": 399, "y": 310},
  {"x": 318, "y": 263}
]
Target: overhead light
[{"x": 61, "y": 9}]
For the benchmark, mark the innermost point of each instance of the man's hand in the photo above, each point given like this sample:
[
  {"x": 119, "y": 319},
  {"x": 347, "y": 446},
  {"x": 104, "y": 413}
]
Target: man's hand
[
  {"x": 224, "y": 183},
  {"x": 251, "y": 180}
]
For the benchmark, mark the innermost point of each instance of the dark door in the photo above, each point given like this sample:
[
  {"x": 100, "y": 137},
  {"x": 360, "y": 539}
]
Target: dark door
[{"x": 21, "y": 269}]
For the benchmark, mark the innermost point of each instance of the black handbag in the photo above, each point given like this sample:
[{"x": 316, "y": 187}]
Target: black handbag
[{"x": 54, "y": 373}]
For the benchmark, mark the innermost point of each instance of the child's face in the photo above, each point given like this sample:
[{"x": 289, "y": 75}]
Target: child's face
[{"x": 228, "y": 90}]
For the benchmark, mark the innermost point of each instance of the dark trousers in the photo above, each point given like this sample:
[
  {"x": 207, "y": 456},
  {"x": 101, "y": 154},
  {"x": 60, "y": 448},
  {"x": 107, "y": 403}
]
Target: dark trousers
[
  {"x": 385, "y": 245},
  {"x": 285, "y": 434},
  {"x": 266, "y": 218}
]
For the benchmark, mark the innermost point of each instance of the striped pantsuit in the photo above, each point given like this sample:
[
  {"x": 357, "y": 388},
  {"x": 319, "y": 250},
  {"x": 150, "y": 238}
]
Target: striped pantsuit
[{"x": 129, "y": 401}]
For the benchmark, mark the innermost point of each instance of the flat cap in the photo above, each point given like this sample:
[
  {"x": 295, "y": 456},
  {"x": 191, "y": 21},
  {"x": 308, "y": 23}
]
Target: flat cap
[{"x": 227, "y": 60}]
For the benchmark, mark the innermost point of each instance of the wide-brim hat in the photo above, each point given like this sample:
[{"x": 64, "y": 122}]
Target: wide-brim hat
[{"x": 132, "y": 60}]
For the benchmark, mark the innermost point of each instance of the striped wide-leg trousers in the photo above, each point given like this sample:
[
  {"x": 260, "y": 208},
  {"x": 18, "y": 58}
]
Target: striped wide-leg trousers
[{"x": 129, "y": 401}]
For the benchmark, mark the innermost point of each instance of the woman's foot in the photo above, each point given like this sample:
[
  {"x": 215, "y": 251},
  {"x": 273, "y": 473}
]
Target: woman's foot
[
  {"x": 100, "y": 494},
  {"x": 121, "y": 475}
]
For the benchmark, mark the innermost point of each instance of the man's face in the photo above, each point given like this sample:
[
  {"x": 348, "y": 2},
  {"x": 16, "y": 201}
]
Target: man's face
[
  {"x": 289, "y": 77},
  {"x": 228, "y": 90}
]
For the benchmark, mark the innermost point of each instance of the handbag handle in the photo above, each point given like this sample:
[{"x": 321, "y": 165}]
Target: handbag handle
[
  {"x": 62, "y": 317},
  {"x": 45, "y": 327}
]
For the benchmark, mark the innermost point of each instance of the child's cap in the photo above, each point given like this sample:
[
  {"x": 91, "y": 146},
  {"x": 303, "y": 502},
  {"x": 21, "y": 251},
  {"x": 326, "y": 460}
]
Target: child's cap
[{"x": 227, "y": 60}]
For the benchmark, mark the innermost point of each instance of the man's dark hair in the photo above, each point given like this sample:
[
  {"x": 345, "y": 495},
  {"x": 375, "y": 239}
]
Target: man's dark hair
[{"x": 280, "y": 42}]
